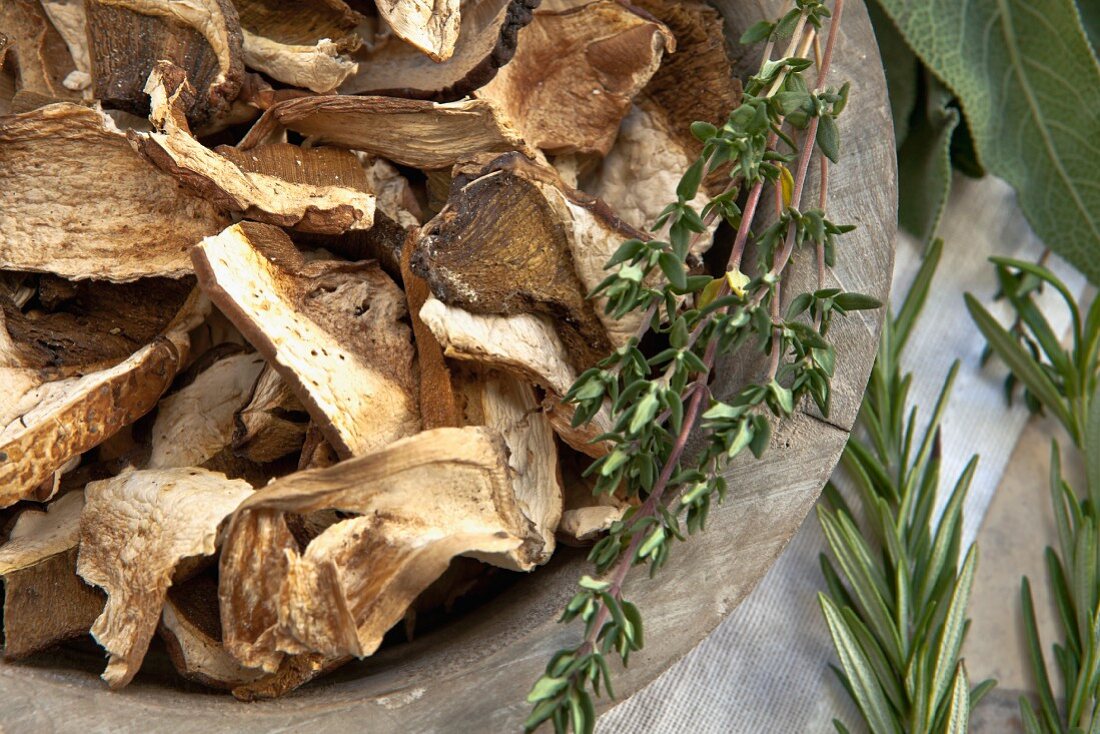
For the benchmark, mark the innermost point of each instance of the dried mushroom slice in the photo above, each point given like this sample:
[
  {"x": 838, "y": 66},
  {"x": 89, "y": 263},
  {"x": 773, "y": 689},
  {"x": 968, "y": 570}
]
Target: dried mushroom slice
[
  {"x": 76, "y": 200},
  {"x": 523, "y": 344},
  {"x": 585, "y": 515},
  {"x": 35, "y": 49},
  {"x": 279, "y": 184},
  {"x": 75, "y": 327},
  {"x": 647, "y": 149},
  {"x": 408, "y": 132},
  {"x": 294, "y": 672},
  {"x": 273, "y": 423},
  {"x": 135, "y": 531},
  {"x": 526, "y": 346},
  {"x": 509, "y": 406},
  {"x": 490, "y": 29},
  {"x": 197, "y": 423},
  {"x": 438, "y": 405},
  {"x": 696, "y": 82},
  {"x": 418, "y": 503},
  {"x": 49, "y": 423},
  {"x": 321, "y": 67},
  {"x": 45, "y": 602},
  {"x": 128, "y": 37},
  {"x": 334, "y": 330},
  {"x": 299, "y": 21},
  {"x": 69, "y": 416},
  {"x": 514, "y": 239},
  {"x": 303, "y": 43},
  {"x": 429, "y": 25},
  {"x": 192, "y": 631},
  {"x": 575, "y": 73},
  {"x": 67, "y": 17}
]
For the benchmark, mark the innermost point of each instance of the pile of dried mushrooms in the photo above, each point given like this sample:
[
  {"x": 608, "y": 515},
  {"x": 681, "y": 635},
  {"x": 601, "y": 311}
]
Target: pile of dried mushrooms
[{"x": 290, "y": 293}]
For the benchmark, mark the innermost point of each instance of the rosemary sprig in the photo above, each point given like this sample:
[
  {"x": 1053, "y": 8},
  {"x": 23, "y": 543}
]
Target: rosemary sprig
[
  {"x": 655, "y": 402},
  {"x": 1062, "y": 382},
  {"x": 896, "y": 600}
]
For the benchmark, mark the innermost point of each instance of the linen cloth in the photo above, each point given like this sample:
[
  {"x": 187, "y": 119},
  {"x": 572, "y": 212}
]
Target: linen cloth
[{"x": 765, "y": 668}]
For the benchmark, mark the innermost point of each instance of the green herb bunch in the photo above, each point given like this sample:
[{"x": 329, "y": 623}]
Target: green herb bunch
[
  {"x": 897, "y": 597},
  {"x": 1061, "y": 382},
  {"x": 655, "y": 402}
]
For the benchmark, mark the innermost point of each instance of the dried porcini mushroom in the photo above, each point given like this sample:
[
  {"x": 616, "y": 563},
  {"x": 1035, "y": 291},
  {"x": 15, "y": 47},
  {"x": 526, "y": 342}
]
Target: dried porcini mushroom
[
  {"x": 192, "y": 631},
  {"x": 647, "y": 149},
  {"x": 332, "y": 329},
  {"x": 514, "y": 239},
  {"x": 490, "y": 30},
  {"x": 438, "y": 404},
  {"x": 509, "y": 406},
  {"x": 76, "y": 200},
  {"x": 47, "y": 420},
  {"x": 524, "y": 345},
  {"x": 67, "y": 17},
  {"x": 197, "y": 423},
  {"x": 410, "y": 132},
  {"x": 429, "y": 25},
  {"x": 417, "y": 504},
  {"x": 135, "y": 531},
  {"x": 128, "y": 37},
  {"x": 273, "y": 423},
  {"x": 289, "y": 186},
  {"x": 575, "y": 72},
  {"x": 585, "y": 515},
  {"x": 35, "y": 49},
  {"x": 697, "y": 82},
  {"x": 45, "y": 602},
  {"x": 303, "y": 43}
]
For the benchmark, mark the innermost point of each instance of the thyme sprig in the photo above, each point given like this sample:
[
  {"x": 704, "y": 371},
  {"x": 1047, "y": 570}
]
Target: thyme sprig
[
  {"x": 897, "y": 596},
  {"x": 655, "y": 402},
  {"x": 1062, "y": 382}
]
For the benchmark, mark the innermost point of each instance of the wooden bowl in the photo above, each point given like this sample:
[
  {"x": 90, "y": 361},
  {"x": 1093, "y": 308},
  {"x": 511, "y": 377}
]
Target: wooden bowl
[{"x": 474, "y": 673}]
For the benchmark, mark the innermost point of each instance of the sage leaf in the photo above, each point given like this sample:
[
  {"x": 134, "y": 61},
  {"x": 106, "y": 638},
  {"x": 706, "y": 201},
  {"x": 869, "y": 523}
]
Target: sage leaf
[
  {"x": 924, "y": 162},
  {"x": 901, "y": 67},
  {"x": 1029, "y": 85}
]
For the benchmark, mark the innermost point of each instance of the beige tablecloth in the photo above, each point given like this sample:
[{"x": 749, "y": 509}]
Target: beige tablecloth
[{"x": 765, "y": 669}]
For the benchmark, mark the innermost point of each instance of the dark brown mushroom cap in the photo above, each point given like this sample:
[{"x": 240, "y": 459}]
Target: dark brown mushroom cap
[
  {"x": 128, "y": 37},
  {"x": 513, "y": 239}
]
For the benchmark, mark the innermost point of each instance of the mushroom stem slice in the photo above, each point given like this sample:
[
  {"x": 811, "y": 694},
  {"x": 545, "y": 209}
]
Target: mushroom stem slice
[
  {"x": 419, "y": 502},
  {"x": 46, "y": 423},
  {"x": 135, "y": 531},
  {"x": 508, "y": 405},
  {"x": 575, "y": 73},
  {"x": 334, "y": 331},
  {"x": 96, "y": 206}
]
